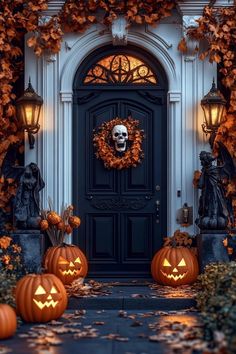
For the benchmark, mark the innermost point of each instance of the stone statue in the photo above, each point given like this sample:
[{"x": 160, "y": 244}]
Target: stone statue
[
  {"x": 215, "y": 209},
  {"x": 26, "y": 204}
]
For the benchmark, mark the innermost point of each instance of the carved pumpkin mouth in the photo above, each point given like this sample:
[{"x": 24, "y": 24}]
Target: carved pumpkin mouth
[
  {"x": 69, "y": 272},
  {"x": 174, "y": 277},
  {"x": 41, "y": 304}
]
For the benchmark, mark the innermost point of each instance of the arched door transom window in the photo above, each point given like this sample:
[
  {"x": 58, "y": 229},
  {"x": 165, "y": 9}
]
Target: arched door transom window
[{"x": 120, "y": 69}]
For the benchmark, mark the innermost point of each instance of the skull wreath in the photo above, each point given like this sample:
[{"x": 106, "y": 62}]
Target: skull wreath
[{"x": 118, "y": 143}]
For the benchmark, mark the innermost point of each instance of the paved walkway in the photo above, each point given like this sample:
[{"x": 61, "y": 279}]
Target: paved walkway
[
  {"x": 99, "y": 332},
  {"x": 127, "y": 318}
]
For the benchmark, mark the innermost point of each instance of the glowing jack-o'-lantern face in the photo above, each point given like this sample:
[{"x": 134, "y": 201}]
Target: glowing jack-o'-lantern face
[
  {"x": 174, "y": 266},
  {"x": 69, "y": 267},
  {"x": 67, "y": 262},
  {"x": 50, "y": 300},
  {"x": 178, "y": 272},
  {"x": 40, "y": 298}
]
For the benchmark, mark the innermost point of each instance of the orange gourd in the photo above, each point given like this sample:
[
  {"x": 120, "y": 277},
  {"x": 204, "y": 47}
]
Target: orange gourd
[
  {"x": 40, "y": 298},
  {"x": 67, "y": 262},
  {"x": 174, "y": 266},
  {"x": 8, "y": 321}
]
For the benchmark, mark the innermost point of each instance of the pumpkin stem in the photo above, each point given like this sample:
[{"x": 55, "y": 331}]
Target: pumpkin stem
[{"x": 174, "y": 242}]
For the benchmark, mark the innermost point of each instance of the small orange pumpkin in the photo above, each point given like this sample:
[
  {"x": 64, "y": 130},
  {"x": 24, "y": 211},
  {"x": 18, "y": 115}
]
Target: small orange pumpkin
[
  {"x": 61, "y": 225},
  {"x": 53, "y": 218},
  {"x": 8, "y": 321},
  {"x": 40, "y": 298},
  {"x": 174, "y": 266},
  {"x": 74, "y": 221},
  {"x": 67, "y": 262},
  {"x": 68, "y": 229},
  {"x": 44, "y": 225}
]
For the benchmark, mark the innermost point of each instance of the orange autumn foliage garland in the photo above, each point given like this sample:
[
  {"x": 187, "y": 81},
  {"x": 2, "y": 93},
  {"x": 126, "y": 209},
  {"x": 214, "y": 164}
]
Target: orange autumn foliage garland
[{"x": 79, "y": 15}]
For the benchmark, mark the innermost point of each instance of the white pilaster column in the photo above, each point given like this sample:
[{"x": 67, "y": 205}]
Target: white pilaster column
[
  {"x": 174, "y": 159},
  {"x": 195, "y": 75},
  {"x": 49, "y": 144},
  {"x": 65, "y": 178}
]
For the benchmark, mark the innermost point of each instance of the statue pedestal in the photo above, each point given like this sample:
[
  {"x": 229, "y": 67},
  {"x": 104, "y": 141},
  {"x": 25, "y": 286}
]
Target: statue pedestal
[
  {"x": 32, "y": 243},
  {"x": 210, "y": 248}
]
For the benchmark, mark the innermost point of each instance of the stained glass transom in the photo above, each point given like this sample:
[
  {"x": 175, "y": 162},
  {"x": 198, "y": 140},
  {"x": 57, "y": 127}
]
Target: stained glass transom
[{"x": 120, "y": 69}]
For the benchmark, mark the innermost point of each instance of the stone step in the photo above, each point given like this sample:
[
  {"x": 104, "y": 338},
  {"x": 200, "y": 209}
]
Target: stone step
[
  {"x": 132, "y": 297},
  {"x": 160, "y": 304}
]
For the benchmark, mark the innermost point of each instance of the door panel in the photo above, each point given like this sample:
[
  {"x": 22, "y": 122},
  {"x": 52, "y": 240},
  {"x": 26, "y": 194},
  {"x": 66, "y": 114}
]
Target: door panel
[
  {"x": 119, "y": 232},
  {"x": 137, "y": 238},
  {"x": 103, "y": 245}
]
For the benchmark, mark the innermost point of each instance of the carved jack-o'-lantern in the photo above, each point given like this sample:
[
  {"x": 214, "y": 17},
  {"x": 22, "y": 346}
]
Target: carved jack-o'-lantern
[
  {"x": 40, "y": 298},
  {"x": 174, "y": 266},
  {"x": 67, "y": 262}
]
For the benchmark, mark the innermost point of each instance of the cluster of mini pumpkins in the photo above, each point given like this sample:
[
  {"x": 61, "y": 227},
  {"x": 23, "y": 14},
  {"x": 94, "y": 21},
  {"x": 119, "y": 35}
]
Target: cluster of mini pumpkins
[{"x": 53, "y": 220}]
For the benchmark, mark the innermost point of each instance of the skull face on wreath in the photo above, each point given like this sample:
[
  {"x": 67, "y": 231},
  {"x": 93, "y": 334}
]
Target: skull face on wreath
[{"x": 120, "y": 137}]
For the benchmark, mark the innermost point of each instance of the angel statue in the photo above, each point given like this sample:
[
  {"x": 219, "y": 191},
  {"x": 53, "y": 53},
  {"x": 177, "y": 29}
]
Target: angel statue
[
  {"x": 26, "y": 204},
  {"x": 215, "y": 209}
]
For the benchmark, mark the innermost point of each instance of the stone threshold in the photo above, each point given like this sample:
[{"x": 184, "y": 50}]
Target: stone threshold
[{"x": 133, "y": 295}]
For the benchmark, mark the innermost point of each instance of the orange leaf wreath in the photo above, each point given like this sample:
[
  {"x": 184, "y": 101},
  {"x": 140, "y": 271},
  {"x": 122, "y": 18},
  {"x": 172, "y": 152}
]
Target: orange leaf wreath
[{"x": 106, "y": 152}]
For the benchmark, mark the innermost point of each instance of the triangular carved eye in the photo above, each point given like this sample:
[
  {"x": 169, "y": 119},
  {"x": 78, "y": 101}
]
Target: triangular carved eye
[
  {"x": 182, "y": 263},
  {"x": 40, "y": 290},
  {"x": 166, "y": 263},
  {"x": 53, "y": 290},
  {"x": 62, "y": 261},
  {"x": 78, "y": 260}
]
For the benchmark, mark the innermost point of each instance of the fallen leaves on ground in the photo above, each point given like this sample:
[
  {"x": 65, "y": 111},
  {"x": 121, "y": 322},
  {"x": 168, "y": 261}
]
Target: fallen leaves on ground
[
  {"x": 4, "y": 349},
  {"x": 116, "y": 336},
  {"x": 185, "y": 291},
  {"x": 184, "y": 334},
  {"x": 90, "y": 289},
  {"x": 46, "y": 335}
]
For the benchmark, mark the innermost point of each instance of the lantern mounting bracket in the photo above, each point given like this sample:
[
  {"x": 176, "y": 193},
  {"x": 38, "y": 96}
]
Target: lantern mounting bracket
[{"x": 212, "y": 133}]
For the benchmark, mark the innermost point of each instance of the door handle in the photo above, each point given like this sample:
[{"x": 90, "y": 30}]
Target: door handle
[{"x": 157, "y": 211}]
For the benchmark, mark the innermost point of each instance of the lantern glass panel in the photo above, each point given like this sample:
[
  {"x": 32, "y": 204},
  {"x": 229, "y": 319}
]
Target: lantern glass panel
[
  {"x": 29, "y": 112},
  {"x": 215, "y": 117},
  {"x": 213, "y": 114}
]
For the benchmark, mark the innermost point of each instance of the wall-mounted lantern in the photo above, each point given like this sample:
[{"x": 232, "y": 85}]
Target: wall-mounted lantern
[
  {"x": 28, "y": 111},
  {"x": 213, "y": 105}
]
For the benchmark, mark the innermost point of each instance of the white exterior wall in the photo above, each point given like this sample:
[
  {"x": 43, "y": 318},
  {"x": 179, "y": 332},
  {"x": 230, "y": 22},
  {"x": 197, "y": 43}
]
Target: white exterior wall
[{"x": 188, "y": 79}]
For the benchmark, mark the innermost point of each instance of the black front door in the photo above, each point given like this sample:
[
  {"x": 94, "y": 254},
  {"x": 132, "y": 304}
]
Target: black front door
[{"x": 123, "y": 212}]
